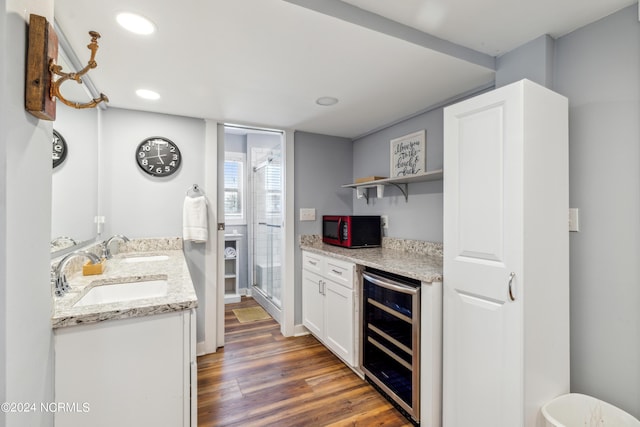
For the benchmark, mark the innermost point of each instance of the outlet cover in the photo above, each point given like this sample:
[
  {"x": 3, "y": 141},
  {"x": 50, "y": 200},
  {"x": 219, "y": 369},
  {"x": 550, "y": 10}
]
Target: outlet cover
[{"x": 384, "y": 219}]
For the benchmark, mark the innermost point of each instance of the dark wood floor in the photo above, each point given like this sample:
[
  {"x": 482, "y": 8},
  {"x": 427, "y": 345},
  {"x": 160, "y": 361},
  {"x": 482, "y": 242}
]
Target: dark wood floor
[{"x": 261, "y": 378}]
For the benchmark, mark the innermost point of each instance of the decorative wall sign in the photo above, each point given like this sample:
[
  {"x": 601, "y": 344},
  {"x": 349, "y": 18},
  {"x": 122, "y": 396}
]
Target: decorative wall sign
[{"x": 408, "y": 155}]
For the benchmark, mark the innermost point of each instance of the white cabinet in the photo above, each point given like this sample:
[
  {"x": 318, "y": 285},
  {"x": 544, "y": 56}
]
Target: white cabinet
[
  {"x": 328, "y": 307},
  {"x": 130, "y": 372},
  {"x": 506, "y": 257}
]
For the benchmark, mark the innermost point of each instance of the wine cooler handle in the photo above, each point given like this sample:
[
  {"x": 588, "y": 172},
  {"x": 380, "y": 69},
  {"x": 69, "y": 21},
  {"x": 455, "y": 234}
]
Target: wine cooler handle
[{"x": 511, "y": 277}]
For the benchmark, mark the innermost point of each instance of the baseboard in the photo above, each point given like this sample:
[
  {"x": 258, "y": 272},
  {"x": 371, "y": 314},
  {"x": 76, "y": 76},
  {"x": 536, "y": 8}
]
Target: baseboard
[
  {"x": 201, "y": 348},
  {"x": 299, "y": 331}
]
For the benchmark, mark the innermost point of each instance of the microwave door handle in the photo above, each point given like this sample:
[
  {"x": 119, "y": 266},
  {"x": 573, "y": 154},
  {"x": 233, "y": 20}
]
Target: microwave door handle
[{"x": 340, "y": 230}]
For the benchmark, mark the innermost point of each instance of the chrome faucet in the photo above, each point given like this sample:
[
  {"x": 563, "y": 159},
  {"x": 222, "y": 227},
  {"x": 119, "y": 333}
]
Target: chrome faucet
[
  {"x": 59, "y": 277},
  {"x": 106, "y": 252}
]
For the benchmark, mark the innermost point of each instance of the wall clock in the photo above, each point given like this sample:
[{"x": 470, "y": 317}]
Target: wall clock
[
  {"x": 59, "y": 149},
  {"x": 158, "y": 156}
]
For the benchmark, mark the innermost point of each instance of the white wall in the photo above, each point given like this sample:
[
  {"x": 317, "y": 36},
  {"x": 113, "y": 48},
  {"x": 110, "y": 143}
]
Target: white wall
[{"x": 26, "y": 353}]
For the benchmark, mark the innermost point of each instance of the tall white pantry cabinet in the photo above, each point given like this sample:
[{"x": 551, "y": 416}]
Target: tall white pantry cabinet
[{"x": 506, "y": 256}]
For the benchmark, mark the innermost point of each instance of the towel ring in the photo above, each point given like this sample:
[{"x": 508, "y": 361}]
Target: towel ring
[{"x": 195, "y": 189}]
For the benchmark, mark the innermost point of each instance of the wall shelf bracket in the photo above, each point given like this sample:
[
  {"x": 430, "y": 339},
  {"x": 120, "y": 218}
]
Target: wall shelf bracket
[
  {"x": 401, "y": 183},
  {"x": 404, "y": 190}
]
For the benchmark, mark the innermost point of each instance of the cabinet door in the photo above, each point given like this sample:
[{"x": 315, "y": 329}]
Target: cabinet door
[
  {"x": 313, "y": 303},
  {"x": 339, "y": 320},
  {"x": 131, "y": 372},
  {"x": 482, "y": 246}
]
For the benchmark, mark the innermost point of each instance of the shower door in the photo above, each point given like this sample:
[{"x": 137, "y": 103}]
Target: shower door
[{"x": 267, "y": 227}]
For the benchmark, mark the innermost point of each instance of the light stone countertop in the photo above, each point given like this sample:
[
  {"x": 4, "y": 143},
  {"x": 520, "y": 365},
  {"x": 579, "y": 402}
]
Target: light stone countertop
[
  {"x": 409, "y": 258},
  {"x": 180, "y": 294}
]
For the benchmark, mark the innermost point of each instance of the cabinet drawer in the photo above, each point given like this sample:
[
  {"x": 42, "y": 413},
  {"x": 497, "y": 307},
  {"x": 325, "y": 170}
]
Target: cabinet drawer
[
  {"x": 339, "y": 271},
  {"x": 312, "y": 262}
]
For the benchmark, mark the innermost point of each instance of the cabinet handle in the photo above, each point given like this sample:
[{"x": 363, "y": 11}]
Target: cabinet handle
[
  {"x": 338, "y": 272},
  {"x": 312, "y": 262},
  {"x": 322, "y": 287},
  {"x": 511, "y": 277}
]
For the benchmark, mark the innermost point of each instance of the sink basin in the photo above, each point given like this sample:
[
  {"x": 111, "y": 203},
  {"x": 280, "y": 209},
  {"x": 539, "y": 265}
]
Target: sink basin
[
  {"x": 149, "y": 258},
  {"x": 120, "y": 292}
]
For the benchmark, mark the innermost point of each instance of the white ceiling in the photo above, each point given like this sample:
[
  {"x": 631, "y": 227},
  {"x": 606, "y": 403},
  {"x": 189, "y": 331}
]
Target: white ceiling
[{"x": 264, "y": 62}]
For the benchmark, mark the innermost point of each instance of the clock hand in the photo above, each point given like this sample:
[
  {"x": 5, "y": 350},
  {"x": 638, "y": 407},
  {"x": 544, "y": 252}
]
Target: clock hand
[{"x": 159, "y": 156}]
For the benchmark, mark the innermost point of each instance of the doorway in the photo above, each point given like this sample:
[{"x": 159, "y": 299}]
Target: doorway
[{"x": 253, "y": 200}]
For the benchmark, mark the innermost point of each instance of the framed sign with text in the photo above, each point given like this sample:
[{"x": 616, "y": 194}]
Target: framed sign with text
[{"x": 408, "y": 155}]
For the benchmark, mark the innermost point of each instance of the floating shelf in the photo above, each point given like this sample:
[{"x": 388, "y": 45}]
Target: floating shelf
[{"x": 401, "y": 182}]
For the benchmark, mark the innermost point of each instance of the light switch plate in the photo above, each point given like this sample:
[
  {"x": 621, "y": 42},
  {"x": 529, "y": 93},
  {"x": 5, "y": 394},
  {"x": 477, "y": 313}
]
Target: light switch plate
[
  {"x": 307, "y": 214},
  {"x": 574, "y": 219}
]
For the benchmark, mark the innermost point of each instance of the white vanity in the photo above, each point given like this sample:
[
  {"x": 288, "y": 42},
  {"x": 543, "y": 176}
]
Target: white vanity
[{"x": 132, "y": 360}]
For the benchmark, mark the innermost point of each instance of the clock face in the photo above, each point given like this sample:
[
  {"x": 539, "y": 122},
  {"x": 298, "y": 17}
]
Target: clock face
[
  {"x": 59, "y": 149},
  {"x": 158, "y": 156}
]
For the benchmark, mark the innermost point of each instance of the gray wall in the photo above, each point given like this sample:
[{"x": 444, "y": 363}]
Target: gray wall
[
  {"x": 138, "y": 205},
  {"x": 322, "y": 164},
  {"x": 133, "y": 202},
  {"x": 598, "y": 69},
  {"x": 71, "y": 215},
  {"x": 4, "y": 35},
  {"x": 420, "y": 217},
  {"x": 533, "y": 61},
  {"x": 26, "y": 344}
]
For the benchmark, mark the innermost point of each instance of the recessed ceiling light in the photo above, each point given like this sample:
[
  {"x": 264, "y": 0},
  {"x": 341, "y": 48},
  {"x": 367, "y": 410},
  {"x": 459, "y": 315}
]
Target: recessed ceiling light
[
  {"x": 327, "y": 101},
  {"x": 135, "y": 23},
  {"x": 148, "y": 94}
]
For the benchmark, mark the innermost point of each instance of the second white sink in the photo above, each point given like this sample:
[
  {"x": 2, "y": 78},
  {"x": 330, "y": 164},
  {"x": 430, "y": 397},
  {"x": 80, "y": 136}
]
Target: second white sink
[{"x": 120, "y": 292}]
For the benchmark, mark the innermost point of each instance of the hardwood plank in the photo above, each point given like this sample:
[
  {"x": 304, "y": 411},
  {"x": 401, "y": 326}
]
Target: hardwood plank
[{"x": 261, "y": 378}]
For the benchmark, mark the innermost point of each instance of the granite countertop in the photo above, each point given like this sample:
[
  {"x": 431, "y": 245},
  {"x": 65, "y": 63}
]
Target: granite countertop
[
  {"x": 409, "y": 258},
  {"x": 180, "y": 294}
]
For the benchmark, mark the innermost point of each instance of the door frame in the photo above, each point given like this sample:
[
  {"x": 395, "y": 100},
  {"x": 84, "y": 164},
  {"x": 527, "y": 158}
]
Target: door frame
[{"x": 214, "y": 254}]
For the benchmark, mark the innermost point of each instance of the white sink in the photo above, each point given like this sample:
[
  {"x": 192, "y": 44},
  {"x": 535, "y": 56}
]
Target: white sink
[
  {"x": 120, "y": 292},
  {"x": 149, "y": 258}
]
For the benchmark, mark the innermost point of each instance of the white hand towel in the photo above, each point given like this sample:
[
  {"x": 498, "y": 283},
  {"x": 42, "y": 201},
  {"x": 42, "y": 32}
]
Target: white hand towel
[{"x": 194, "y": 219}]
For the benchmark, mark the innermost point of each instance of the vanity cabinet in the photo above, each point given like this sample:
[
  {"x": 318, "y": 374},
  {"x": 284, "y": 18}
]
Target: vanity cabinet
[
  {"x": 506, "y": 256},
  {"x": 328, "y": 303},
  {"x": 128, "y": 372}
]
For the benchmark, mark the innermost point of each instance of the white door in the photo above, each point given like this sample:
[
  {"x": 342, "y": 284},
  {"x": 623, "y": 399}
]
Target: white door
[
  {"x": 338, "y": 323},
  {"x": 482, "y": 379},
  {"x": 313, "y": 303}
]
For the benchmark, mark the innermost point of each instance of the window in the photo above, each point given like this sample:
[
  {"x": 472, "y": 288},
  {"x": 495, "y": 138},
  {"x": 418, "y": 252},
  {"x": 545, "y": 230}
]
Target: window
[{"x": 234, "y": 183}]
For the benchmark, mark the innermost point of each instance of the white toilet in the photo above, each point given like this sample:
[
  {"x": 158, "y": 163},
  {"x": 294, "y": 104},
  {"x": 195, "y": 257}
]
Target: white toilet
[{"x": 580, "y": 410}]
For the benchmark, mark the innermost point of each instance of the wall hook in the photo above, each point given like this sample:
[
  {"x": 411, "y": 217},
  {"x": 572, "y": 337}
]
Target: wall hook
[{"x": 56, "y": 69}]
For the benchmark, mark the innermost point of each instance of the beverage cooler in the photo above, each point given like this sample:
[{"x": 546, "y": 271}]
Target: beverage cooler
[{"x": 391, "y": 338}]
